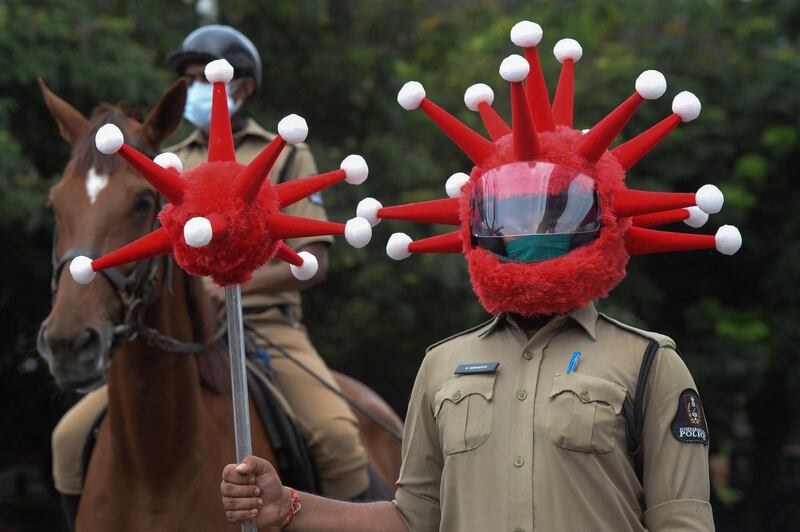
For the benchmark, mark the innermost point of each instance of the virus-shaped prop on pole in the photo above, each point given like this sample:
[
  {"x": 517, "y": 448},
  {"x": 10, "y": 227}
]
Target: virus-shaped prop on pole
[
  {"x": 224, "y": 219},
  {"x": 544, "y": 219}
]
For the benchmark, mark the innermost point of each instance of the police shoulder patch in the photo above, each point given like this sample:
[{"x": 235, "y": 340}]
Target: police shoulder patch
[{"x": 689, "y": 424}]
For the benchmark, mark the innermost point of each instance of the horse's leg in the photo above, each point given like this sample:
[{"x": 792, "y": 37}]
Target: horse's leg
[{"x": 383, "y": 448}]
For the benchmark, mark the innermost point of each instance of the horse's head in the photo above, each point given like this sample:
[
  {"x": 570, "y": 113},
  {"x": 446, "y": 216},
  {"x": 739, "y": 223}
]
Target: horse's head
[{"x": 100, "y": 203}]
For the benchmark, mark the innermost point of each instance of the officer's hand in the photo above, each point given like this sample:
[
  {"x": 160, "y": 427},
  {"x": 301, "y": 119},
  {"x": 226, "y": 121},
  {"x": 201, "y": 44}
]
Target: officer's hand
[{"x": 252, "y": 490}]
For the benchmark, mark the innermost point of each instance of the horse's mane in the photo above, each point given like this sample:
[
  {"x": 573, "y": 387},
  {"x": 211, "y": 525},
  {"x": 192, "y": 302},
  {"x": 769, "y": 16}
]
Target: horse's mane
[{"x": 212, "y": 361}]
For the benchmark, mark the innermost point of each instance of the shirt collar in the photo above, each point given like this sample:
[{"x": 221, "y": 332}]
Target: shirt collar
[
  {"x": 250, "y": 129},
  {"x": 585, "y": 316}
]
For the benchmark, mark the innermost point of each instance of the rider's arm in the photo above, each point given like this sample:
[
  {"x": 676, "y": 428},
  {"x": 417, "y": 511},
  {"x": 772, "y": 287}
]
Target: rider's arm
[{"x": 255, "y": 480}]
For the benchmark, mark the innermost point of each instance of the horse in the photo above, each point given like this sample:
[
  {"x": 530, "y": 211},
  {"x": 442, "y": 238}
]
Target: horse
[{"x": 168, "y": 430}]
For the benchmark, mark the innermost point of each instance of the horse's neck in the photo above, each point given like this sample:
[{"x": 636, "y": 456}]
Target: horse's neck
[{"x": 155, "y": 397}]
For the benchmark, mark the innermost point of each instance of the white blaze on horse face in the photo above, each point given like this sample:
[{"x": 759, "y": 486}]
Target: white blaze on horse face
[{"x": 95, "y": 183}]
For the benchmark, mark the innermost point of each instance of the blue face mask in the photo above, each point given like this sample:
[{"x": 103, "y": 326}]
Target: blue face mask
[
  {"x": 535, "y": 248},
  {"x": 198, "y": 104}
]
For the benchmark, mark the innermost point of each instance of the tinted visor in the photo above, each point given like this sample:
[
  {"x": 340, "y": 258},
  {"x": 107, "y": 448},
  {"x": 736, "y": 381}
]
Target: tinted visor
[{"x": 534, "y": 198}]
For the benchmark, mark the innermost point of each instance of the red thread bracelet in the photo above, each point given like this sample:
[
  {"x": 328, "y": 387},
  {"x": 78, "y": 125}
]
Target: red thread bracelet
[{"x": 294, "y": 507}]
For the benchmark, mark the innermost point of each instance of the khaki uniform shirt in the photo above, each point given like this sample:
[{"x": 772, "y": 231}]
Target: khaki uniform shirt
[
  {"x": 532, "y": 448},
  {"x": 249, "y": 142}
]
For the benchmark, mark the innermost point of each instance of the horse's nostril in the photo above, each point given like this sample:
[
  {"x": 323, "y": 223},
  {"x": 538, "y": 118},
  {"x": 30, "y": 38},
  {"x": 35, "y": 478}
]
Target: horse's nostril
[
  {"x": 88, "y": 345},
  {"x": 85, "y": 344}
]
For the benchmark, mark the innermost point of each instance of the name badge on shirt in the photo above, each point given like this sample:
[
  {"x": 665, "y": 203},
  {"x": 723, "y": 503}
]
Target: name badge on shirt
[{"x": 474, "y": 369}]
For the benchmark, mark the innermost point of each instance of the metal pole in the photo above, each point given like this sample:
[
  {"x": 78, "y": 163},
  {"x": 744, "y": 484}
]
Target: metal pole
[{"x": 241, "y": 410}]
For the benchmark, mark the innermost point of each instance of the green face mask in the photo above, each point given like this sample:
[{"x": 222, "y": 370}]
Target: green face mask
[{"x": 534, "y": 248}]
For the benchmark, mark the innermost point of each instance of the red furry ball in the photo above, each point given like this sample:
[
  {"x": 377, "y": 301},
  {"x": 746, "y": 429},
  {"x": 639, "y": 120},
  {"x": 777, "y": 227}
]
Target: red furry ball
[{"x": 246, "y": 245}]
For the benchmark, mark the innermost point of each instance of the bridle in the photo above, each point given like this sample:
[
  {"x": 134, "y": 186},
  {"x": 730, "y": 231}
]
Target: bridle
[{"x": 133, "y": 291}]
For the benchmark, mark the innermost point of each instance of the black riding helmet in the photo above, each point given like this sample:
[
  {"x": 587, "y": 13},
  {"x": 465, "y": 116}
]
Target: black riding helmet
[{"x": 215, "y": 41}]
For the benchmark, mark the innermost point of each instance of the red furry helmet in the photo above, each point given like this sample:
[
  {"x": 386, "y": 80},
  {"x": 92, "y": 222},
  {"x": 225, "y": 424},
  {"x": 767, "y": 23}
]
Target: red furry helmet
[
  {"x": 543, "y": 178},
  {"x": 223, "y": 219}
]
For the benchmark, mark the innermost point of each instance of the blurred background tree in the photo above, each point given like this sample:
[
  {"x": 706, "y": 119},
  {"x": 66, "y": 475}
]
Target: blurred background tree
[{"x": 339, "y": 64}]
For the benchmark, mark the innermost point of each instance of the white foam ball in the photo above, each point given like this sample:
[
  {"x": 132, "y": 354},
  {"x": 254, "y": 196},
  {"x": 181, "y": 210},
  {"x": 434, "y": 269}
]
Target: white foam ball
[
  {"x": 169, "y": 160},
  {"x": 358, "y": 232},
  {"x": 219, "y": 71},
  {"x": 397, "y": 246},
  {"x": 526, "y": 34},
  {"x": 478, "y": 94},
  {"x": 81, "y": 269},
  {"x": 355, "y": 169},
  {"x": 514, "y": 68},
  {"x": 697, "y": 218},
  {"x": 568, "y": 49},
  {"x": 197, "y": 232},
  {"x": 710, "y": 199},
  {"x": 293, "y": 129},
  {"x": 411, "y": 95},
  {"x": 686, "y": 105},
  {"x": 368, "y": 209},
  {"x": 651, "y": 84},
  {"x": 728, "y": 240},
  {"x": 455, "y": 183},
  {"x": 308, "y": 269},
  {"x": 109, "y": 139}
]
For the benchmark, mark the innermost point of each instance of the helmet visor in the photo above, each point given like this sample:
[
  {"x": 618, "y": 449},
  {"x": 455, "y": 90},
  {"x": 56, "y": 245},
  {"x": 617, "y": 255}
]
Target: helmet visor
[{"x": 524, "y": 199}]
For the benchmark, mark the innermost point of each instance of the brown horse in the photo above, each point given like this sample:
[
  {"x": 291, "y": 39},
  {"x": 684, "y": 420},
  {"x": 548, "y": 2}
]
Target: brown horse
[{"x": 168, "y": 430}]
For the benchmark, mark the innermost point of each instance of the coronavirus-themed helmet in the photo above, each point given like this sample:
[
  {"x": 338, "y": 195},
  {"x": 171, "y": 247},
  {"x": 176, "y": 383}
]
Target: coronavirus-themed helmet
[
  {"x": 223, "y": 219},
  {"x": 544, "y": 218}
]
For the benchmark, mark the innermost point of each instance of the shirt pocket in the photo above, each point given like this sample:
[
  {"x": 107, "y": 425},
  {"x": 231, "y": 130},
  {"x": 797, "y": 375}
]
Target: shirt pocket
[
  {"x": 463, "y": 412},
  {"x": 584, "y": 413}
]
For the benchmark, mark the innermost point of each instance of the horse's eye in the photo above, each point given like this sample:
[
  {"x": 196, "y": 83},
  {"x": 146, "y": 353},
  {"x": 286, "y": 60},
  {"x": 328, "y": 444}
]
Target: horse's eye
[{"x": 143, "y": 205}]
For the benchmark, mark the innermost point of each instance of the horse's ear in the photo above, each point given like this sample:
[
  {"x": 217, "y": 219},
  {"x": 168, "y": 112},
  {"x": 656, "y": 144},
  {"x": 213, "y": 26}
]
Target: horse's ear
[
  {"x": 71, "y": 123},
  {"x": 166, "y": 116}
]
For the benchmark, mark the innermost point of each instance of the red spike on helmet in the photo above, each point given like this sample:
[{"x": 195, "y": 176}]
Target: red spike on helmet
[
  {"x": 474, "y": 146},
  {"x": 479, "y": 97},
  {"x": 567, "y": 52},
  {"x": 223, "y": 219},
  {"x": 552, "y": 192},
  {"x": 650, "y": 85},
  {"x": 685, "y": 108},
  {"x": 528, "y": 35},
  {"x": 514, "y": 69}
]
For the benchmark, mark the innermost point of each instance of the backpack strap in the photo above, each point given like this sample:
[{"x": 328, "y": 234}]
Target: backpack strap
[
  {"x": 287, "y": 166},
  {"x": 634, "y": 412}
]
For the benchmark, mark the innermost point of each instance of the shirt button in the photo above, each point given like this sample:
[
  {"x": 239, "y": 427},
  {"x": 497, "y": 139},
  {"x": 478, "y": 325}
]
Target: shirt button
[
  {"x": 527, "y": 355},
  {"x": 456, "y": 396},
  {"x": 519, "y": 461},
  {"x": 522, "y": 395},
  {"x": 584, "y": 396}
]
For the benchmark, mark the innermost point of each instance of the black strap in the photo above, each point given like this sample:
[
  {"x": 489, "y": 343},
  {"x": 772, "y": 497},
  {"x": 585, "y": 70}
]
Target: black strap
[
  {"x": 287, "y": 166},
  {"x": 634, "y": 412}
]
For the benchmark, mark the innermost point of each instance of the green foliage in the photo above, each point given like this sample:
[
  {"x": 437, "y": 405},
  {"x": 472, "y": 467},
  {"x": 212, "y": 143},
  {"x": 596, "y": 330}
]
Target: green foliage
[{"x": 340, "y": 64}]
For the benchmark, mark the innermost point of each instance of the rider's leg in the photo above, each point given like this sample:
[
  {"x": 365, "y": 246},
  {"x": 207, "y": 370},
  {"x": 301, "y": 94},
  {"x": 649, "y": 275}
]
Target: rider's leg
[
  {"x": 330, "y": 428},
  {"x": 69, "y": 437}
]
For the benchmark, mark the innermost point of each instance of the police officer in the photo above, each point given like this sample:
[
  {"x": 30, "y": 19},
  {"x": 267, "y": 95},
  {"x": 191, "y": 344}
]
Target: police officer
[
  {"x": 271, "y": 300},
  {"x": 525, "y": 445},
  {"x": 550, "y": 416}
]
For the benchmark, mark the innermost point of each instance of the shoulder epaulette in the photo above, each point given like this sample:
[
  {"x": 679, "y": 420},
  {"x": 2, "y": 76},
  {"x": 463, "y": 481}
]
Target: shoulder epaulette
[
  {"x": 459, "y": 334},
  {"x": 663, "y": 340}
]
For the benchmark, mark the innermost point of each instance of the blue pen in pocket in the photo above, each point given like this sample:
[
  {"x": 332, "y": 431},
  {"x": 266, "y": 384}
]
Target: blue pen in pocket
[{"x": 573, "y": 362}]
